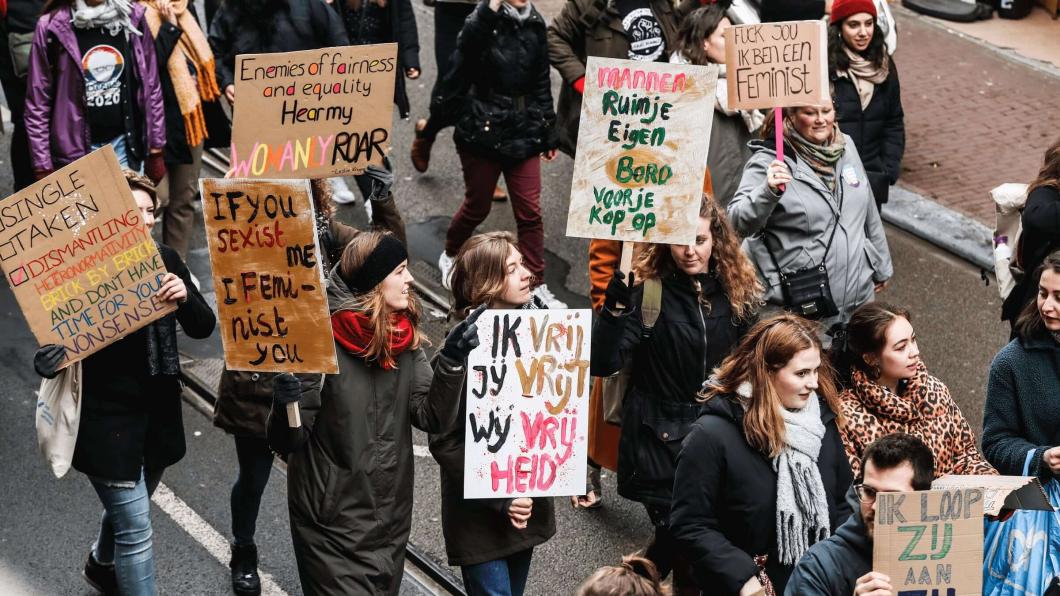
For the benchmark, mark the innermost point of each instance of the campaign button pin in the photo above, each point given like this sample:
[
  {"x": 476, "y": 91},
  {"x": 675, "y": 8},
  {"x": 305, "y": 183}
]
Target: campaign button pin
[{"x": 851, "y": 177}]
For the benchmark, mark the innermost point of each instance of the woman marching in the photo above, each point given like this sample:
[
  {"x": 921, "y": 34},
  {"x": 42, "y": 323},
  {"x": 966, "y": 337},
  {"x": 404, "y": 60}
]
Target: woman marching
[
  {"x": 244, "y": 400},
  {"x": 131, "y": 428},
  {"x": 705, "y": 295},
  {"x": 809, "y": 222},
  {"x": 491, "y": 540},
  {"x": 350, "y": 465},
  {"x": 93, "y": 81},
  {"x": 1019, "y": 418},
  {"x": 762, "y": 474},
  {"x": 701, "y": 40},
  {"x": 891, "y": 391},
  {"x": 867, "y": 95}
]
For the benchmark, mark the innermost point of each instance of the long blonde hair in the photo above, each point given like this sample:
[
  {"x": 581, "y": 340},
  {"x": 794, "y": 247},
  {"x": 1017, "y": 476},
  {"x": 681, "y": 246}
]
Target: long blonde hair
[
  {"x": 735, "y": 271},
  {"x": 767, "y": 348},
  {"x": 372, "y": 304},
  {"x": 479, "y": 272}
]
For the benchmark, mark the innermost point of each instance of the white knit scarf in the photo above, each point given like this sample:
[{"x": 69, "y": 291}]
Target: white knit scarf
[
  {"x": 112, "y": 15},
  {"x": 802, "y": 509}
]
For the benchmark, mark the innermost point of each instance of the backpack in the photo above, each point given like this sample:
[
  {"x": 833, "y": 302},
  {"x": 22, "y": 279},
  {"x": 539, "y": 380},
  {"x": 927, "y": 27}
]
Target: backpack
[
  {"x": 613, "y": 388},
  {"x": 1009, "y": 200}
]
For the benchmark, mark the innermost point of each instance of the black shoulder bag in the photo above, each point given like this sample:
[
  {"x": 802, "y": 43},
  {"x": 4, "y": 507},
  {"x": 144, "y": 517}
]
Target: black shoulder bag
[{"x": 807, "y": 292}]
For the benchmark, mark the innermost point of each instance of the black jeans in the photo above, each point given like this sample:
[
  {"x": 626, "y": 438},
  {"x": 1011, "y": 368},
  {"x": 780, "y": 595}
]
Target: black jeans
[
  {"x": 255, "y": 465},
  {"x": 15, "y": 92}
]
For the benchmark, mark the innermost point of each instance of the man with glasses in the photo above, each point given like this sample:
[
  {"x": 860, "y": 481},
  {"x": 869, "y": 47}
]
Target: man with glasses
[{"x": 842, "y": 564}]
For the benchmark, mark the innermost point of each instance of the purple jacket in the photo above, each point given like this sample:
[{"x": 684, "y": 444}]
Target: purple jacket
[{"x": 55, "y": 96}]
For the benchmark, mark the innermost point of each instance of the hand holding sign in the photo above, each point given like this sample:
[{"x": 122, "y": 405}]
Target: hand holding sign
[
  {"x": 463, "y": 338},
  {"x": 47, "y": 360},
  {"x": 286, "y": 391},
  {"x": 873, "y": 583},
  {"x": 777, "y": 176},
  {"x": 519, "y": 511}
]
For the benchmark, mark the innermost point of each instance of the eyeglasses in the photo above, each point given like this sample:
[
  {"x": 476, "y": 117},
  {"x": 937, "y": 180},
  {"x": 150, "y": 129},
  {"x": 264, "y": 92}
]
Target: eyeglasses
[{"x": 866, "y": 494}]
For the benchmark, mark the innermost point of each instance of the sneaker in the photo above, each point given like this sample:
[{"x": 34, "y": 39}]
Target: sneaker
[
  {"x": 421, "y": 148},
  {"x": 340, "y": 191},
  {"x": 368, "y": 208},
  {"x": 499, "y": 194},
  {"x": 545, "y": 295},
  {"x": 445, "y": 265},
  {"x": 244, "y": 566},
  {"x": 100, "y": 576}
]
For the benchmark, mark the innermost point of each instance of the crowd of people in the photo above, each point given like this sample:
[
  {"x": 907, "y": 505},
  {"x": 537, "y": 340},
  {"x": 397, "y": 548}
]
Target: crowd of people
[{"x": 767, "y": 396}]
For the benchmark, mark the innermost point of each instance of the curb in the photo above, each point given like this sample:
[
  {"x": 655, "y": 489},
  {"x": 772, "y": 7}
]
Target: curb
[{"x": 948, "y": 229}]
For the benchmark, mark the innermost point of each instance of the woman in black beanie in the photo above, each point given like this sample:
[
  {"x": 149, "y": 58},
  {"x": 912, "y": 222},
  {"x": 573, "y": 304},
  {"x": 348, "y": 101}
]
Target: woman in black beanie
[{"x": 350, "y": 467}]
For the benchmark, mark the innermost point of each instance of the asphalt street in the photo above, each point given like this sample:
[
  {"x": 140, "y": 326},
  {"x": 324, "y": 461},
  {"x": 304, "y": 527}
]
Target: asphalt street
[{"x": 47, "y": 525}]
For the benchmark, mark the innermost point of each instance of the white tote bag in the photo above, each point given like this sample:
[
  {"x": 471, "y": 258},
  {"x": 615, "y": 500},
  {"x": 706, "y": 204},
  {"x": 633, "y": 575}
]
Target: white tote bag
[{"x": 58, "y": 415}]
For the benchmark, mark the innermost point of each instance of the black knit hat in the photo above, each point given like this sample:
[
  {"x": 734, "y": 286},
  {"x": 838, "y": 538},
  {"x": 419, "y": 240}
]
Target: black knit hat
[{"x": 385, "y": 257}]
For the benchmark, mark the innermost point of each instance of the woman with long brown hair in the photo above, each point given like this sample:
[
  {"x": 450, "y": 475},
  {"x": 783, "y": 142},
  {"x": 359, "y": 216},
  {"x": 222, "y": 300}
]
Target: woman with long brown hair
[
  {"x": 244, "y": 400},
  {"x": 1041, "y": 232},
  {"x": 891, "y": 391},
  {"x": 762, "y": 475},
  {"x": 706, "y": 295},
  {"x": 350, "y": 465},
  {"x": 491, "y": 540}
]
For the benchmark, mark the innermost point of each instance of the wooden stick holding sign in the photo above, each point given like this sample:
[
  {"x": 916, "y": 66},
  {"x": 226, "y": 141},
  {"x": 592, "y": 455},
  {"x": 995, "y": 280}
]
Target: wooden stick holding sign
[
  {"x": 268, "y": 277},
  {"x": 777, "y": 65}
]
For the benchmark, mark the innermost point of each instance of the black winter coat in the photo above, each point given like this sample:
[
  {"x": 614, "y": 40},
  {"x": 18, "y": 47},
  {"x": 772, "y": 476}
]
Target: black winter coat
[
  {"x": 669, "y": 367},
  {"x": 405, "y": 33},
  {"x": 878, "y": 131},
  {"x": 499, "y": 87},
  {"x": 1041, "y": 235},
  {"x": 725, "y": 498},
  {"x": 305, "y": 25},
  {"x": 834, "y": 565},
  {"x": 130, "y": 419}
]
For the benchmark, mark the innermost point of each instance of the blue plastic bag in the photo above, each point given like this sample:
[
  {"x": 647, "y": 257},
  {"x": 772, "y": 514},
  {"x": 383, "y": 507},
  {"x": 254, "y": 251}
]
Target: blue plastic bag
[{"x": 1021, "y": 555}]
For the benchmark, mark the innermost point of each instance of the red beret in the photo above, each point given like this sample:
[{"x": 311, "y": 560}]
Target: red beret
[{"x": 842, "y": 9}]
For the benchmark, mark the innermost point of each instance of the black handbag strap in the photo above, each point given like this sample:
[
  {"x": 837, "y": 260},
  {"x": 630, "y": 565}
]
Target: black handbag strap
[{"x": 835, "y": 226}]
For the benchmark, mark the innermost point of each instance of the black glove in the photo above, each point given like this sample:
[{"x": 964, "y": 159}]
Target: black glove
[
  {"x": 47, "y": 360},
  {"x": 618, "y": 292},
  {"x": 286, "y": 389},
  {"x": 375, "y": 182},
  {"x": 463, "y": 338}
]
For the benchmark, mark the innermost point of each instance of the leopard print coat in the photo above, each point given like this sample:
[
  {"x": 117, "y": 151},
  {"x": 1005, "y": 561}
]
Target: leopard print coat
[{"x": 924, "y": 410}]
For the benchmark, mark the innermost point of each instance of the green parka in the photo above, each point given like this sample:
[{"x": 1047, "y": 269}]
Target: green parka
[{"x": 350, "y": 466}]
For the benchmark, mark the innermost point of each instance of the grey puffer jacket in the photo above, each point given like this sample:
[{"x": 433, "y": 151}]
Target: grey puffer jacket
[
  {"x": 350, "y": 470},
  {"x": 799, "y": 221}
]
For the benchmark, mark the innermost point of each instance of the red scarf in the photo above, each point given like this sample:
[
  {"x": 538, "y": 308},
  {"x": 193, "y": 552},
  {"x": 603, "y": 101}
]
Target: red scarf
[{"x": 354, "y": 332}]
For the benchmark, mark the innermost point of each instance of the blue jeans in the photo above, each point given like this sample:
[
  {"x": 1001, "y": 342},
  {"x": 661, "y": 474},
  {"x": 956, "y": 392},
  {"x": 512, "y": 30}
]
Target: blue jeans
[
  {"x": 121, "y": 149},
  {"x": 125, "y": 532},
  {"x": 500, "y": 577}
]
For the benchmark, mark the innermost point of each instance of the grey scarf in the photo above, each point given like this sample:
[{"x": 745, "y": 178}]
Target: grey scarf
[
  {"x": 802, "y": 509},
  {"x": 519, "y": 14},
  {"x": 112, "y": 15}
]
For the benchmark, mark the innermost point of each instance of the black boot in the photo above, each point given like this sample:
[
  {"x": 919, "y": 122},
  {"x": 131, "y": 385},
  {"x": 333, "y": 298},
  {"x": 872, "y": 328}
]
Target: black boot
[
  {"x": 244, "y": 565},
  {"x": 100, "y": 576}
]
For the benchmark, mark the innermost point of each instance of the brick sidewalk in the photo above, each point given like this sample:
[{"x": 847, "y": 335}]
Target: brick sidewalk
[{"x": 973, "y": 118}]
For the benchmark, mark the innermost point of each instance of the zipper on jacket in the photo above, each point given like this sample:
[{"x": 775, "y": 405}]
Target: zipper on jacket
[{"x": 703, "y": 328}]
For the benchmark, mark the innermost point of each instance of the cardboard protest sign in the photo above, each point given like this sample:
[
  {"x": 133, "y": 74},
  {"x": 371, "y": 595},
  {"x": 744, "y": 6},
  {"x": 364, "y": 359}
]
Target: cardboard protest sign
[
  {"x": 267, "y": 275},
  {"x": 930, "y": 543},
  {"x": 642, "y": 151},
  {"x": 1000, "y": 492},
  {"x": 79, "y": 259},
  {"x": 528, "y": 405},
  {"x": 314, "y": 113},
  {"x": 777, "y": 65}
]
